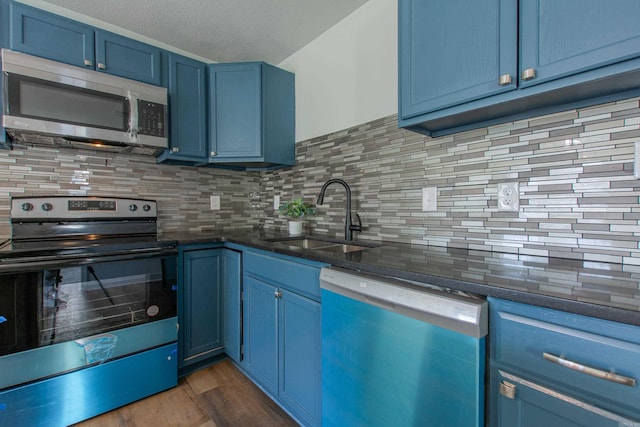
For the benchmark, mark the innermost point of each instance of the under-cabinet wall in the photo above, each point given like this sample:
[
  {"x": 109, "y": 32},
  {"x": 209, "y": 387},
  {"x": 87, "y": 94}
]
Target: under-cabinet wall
[
  {"x": 578, "y": 194},
  {"x": 182, "y": 192}
]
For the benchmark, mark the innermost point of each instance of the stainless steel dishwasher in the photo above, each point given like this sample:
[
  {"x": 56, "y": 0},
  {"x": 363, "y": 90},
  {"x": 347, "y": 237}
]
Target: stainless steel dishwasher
[{"x": 399, "y": 354}]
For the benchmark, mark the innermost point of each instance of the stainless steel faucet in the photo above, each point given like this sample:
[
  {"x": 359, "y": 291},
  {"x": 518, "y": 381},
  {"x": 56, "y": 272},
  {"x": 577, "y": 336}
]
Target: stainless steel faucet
[{"x": 349, "y": 226}]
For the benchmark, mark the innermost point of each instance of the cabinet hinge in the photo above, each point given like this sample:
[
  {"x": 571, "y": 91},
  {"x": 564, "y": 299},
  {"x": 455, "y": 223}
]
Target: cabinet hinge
[{"x": 507, "y": 389}]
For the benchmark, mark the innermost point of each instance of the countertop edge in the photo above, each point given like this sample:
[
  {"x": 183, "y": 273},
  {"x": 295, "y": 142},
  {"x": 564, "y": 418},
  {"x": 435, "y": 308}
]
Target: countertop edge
[{"x": 553, "y": 302}]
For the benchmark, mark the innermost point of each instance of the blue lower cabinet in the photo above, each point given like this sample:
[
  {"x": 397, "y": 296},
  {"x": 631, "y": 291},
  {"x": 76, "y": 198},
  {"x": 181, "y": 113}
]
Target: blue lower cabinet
[
  {"x": 552, "y": 368},
  {"x": 63, "y": 400},
  {"x": 208, "y": 304},
  {"x": 232, "y": 303},
  {"x": 300, "y": 356},
  {"x": 261, "y": 333},
  {"x": 526, "y": 403},
  {"x": 282, "y": 332}
]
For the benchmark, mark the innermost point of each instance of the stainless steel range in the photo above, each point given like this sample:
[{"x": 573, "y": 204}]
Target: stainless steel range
[{"x": 87, "y": 308}]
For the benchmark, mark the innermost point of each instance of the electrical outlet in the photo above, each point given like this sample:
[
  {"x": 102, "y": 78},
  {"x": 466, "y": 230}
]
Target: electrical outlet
[
  {"x": 429, "y": 199},
  {"x": 215, "y": 203},
  {"x": 509, "y": 196},
  {"x": 276, "y": 202}
]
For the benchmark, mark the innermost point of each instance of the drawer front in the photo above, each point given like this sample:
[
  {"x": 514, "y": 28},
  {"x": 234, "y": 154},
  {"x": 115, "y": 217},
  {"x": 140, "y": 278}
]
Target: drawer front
[
  {"x": 530, "y": 404},
  {"x": 301, "y": 278},
  {"x": 551, "y": 348}
]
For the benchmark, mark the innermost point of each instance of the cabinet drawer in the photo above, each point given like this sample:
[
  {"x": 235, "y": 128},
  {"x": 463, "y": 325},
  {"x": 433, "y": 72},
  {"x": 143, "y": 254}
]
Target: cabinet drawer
[
  {"x": 296, "y": 276},
  {"x": 522, "y": 335}
]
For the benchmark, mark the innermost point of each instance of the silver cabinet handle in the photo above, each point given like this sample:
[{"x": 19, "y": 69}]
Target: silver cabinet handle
[
  {"x": 528, "y": 74},
  {"x": 278, "y": 293},
  {"x": 609, "y": 376},
  {"x": 504, "y": 80},
  {"x": 101, "y": 66},
  {"x": 507, "y": 389},
  {"x": 213, "y": 154},
  {"x": 175, "y": 149},
  {"x": 88, "y": 63}
]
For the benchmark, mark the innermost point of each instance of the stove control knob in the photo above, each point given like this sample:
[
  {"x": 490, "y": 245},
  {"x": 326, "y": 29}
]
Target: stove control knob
[
  {"x": 133, "y": 207},
  {"x": 26, "y": 206},
  {"x": 47, "y": 207},
  {"x": 146, "y": 208}
]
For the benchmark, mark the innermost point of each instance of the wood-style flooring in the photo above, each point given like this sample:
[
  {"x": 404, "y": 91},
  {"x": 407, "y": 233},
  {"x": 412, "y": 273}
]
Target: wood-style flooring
[{"x": 217, "y": 396}]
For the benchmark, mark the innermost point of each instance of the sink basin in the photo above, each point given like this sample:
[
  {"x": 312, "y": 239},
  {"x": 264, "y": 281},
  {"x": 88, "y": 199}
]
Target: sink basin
[{"x": 319, "y": 244}]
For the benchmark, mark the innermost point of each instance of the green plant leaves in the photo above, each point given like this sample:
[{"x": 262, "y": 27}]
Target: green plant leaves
[{"x": 296, "y": 208}]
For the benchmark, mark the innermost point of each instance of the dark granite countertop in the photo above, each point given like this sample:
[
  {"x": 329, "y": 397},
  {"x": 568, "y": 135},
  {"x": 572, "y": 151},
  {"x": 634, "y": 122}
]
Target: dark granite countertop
[{"x": 602, "y": 290}]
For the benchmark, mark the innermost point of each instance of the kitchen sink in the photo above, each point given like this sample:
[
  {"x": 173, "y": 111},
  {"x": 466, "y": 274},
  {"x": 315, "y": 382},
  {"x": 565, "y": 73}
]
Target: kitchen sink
[{"x": 320, "y": 244}]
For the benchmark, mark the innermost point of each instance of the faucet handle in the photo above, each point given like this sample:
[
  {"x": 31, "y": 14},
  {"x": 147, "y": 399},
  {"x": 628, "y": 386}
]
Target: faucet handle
[{"x": 354, "y": 227}]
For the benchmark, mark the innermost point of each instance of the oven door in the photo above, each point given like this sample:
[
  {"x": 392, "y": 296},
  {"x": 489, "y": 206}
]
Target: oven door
[{"x": 58, "y": 318}]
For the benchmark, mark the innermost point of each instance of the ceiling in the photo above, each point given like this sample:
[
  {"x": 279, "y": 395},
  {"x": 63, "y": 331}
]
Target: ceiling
[{"x": 222, "y": 30}]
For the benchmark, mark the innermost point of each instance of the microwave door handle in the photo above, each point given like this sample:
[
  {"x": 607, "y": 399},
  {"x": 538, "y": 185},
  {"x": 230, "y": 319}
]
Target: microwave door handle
[{"x": 133, "y": 117}]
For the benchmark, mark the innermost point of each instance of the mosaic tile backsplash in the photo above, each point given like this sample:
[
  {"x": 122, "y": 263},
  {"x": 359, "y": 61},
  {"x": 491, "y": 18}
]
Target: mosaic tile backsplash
[
  {"x": 182, "y": 192},
  {"x": 578, "y": 195}
]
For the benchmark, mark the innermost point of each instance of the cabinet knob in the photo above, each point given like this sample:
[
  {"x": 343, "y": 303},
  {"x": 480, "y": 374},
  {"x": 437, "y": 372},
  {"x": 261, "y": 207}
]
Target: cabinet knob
[
  {"x": 101, "y": 66},
  {"x": 278, "y": 294},
  {"x": 528, "y": 74},
  {"x": 88, "y": 63},
  {"x": 175, "y": 149},
  {"x": 504, "y": 80},
  {"x": 213, "y": 154}
]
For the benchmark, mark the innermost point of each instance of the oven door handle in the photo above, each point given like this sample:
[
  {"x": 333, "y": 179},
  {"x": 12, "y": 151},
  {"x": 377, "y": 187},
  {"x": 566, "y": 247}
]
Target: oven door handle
[{"x": 57, "y": 261}]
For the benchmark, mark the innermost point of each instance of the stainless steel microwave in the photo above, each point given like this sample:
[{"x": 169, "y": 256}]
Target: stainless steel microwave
[{"x": 45, "y": 97}]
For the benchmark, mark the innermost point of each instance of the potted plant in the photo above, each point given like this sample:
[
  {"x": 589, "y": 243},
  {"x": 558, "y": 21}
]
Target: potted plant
[{"x": 296, "y": 209}]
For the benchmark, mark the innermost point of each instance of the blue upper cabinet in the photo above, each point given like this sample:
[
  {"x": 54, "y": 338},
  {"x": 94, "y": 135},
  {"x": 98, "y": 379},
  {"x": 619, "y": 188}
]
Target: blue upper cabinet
[
  {"x": 251, "y": 116},
  {"x": 480, "y": 51},
  {"x": 560, "y": 38},
  {"x": 464, "y": 65},
  {"x": 128, "y": 58},
  {"x": 187, "y": 111},
  {"x": 51, "y": 36}
]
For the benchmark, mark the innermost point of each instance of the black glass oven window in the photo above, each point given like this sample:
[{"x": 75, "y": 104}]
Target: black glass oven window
[
  {"x": 56, "y": 102},
  {"x": 57, "y": 305}
]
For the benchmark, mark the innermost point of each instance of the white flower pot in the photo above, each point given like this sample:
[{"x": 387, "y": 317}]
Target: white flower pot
[{"x": 295, "y": 228}]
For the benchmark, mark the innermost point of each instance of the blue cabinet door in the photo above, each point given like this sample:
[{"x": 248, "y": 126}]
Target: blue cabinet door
[
  {"x": 128, "y": 58},
  {"x": 524, "y": 403},
  {"x": 201, "y": 330},
  {"x": 261, "y": 333},
  {"x": 232, "y": 303},
  {"x": 560, "y": 38},
  {"x": 187, "y": 110},
  {"x": 451, "y": 52},
  {"x": 55, "y": 37},
  {"x": 50, "y": 36},
  {"x": 235, "y": 110},
  {"x": 251, "y": 116},
  {"x": 300, "y": 357}
]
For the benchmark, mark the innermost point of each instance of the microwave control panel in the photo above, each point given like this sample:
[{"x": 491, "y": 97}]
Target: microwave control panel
[{"x": 152, "y": 118}]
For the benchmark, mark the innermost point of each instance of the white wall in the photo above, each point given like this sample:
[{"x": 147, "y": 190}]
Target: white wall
[{"x": 348, "y": 75}]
